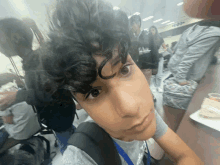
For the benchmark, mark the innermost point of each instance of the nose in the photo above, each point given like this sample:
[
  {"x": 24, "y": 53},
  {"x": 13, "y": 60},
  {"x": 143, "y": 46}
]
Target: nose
[{"x": 124, "y": 102}]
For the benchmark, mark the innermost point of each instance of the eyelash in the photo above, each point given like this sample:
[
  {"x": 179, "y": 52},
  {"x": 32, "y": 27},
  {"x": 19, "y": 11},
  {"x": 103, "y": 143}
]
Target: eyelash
[{"x": 128, "y": 74}]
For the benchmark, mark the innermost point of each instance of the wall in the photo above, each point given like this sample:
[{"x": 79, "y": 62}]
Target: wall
[
  {"x": 186, "y": 21},
  {"x": 169, "y": 40},
  {"x": 6, "y": 64}
]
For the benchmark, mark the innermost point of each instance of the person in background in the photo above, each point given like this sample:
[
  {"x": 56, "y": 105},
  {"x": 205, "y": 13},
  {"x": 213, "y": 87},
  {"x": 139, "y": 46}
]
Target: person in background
[
  {"x": 96, "y": 67},
  {"x": 194, "y": 52},
  {"x": 16, "y": 39},
  {"x": 155, "y": 43},
  {"x": 20, "y": 121},
  {"x": 139, "y": 49}
]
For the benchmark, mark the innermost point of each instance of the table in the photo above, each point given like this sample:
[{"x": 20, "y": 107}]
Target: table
[{"x": 204, "y": 141}]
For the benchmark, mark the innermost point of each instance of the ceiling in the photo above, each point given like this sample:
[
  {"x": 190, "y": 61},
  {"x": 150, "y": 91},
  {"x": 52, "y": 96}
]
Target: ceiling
[{"x": 165, "y": 9}]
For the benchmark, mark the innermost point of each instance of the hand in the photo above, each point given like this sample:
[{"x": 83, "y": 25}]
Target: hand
[
  {"x": 184, "y": 83},
  {"x": 7, "y": 99},
  {"x": 8, "y": 119}
]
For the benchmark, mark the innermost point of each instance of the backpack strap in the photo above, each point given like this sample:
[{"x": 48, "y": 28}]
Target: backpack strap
[{"x": 93, "y": 140}]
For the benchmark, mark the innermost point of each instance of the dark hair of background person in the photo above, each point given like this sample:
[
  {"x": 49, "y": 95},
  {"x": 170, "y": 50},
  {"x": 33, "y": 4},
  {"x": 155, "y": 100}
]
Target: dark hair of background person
[
  {"x": 135, "y": 19},
  {"x": 80, "y": 29},
  {"x": 9, "y": 26},
  {"x": 154, "y": 43}
]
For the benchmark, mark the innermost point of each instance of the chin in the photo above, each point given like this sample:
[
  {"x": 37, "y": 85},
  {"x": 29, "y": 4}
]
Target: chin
[{"x": 148, "y": 132}]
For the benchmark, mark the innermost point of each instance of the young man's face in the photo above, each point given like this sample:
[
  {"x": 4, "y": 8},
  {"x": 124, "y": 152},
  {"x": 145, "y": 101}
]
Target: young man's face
[
  {"x": 123, "y": 105},
  {"x": 135, "y": 27},
  {"x": 153, "y": 31}
]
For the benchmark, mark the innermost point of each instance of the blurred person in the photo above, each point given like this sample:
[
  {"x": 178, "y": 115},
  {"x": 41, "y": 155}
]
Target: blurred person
[
  {"x": 194, "y": 52},
  {"x": 20, "y": 121},
  {"x": 155, "y": 44},
  {"x": 96, "y": 67},
  {"x": 16, "y": 39},
  {"x": 139, "y": 49}
]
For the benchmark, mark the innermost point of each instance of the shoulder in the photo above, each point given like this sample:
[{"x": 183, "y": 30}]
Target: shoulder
[
  {"x": 161, "y": 127},
  {"x": 74, "y": 155}
]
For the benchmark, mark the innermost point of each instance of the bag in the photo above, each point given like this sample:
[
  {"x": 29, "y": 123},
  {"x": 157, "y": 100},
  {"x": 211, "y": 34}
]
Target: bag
[
  {"x": 33, "y": 152},
  {"x": 93, "y": 140},
  {"x": 178, "y": 96}
]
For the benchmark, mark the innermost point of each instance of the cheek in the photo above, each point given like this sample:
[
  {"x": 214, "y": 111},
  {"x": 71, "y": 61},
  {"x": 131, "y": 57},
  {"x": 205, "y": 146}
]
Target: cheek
[
  {"x": 105, "y": 116},
  {"x": 148, "y": 133}
]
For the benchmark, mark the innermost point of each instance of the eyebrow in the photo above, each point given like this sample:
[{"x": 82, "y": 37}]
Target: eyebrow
[{"x": 115, "y": 61}]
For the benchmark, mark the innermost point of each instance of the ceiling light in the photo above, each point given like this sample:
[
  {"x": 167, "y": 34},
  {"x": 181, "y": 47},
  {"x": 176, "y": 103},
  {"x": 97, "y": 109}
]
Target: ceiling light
[
  {"x": 116, "y": 8},
  {"x": 179, "y": 4},
  {"x": 165, "y": 22},
  {"x": 170, "y": 23},
  {"x": 147, "y": 18},
  {"x": 158, "y": 20},
  {"x": 137, "y": 13}
]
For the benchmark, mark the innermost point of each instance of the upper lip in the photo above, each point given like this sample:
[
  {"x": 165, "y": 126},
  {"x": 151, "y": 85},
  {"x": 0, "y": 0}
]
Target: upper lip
[{"x": 136, "y": 125}]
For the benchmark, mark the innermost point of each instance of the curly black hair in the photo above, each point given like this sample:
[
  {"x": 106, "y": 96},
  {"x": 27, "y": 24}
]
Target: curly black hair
[{"x": 80, "y": 29}]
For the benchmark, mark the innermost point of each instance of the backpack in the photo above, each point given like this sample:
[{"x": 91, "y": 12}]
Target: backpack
[
  {"x": 97, "y": 143},
  {"x": 33, "y": 152}
]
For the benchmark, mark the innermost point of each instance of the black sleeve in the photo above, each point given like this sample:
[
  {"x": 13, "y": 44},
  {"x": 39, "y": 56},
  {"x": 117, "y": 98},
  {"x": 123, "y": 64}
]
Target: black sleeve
[
  {"x": 33, "y": 97},
  {"x": 144, "y": 39}
]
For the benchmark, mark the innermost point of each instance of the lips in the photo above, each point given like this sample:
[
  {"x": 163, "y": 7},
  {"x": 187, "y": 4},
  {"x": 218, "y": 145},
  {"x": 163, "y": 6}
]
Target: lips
[{"x": 145, "y": 122}]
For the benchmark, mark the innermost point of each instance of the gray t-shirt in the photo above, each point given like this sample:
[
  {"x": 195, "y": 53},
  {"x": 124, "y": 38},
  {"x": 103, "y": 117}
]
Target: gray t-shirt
[{"x": 134, "y": 149}]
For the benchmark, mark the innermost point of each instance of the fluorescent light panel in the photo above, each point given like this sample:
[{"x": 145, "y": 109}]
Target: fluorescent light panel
[
  {"x": 158, "y": 20},
  {"x": 150, "y": 17},
  {"x": 137, "y": 13},
  {"x": 179, "y": 4},
  {"x": 116, "y": 8},
  {"x": 170, "y": 23},
  {"x": 165, "y": 22}
]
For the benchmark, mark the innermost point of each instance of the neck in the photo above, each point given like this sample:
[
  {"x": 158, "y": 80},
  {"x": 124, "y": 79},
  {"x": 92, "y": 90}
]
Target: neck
[{"x": 138, "y": 32}]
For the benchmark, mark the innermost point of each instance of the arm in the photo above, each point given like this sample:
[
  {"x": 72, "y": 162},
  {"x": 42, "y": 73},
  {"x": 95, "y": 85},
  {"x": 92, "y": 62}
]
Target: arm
[
  {"x": 193, "y": 53},
  {"x": 33, "y": 97},
  {"x": 177, "y": 149},
  {"x": 208, "y": 9}
]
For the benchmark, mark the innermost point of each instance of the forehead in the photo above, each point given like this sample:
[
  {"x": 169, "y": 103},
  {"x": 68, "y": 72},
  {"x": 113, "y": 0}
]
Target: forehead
[{"x": 99, "y": 57}]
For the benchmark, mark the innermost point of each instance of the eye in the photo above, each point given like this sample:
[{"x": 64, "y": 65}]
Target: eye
[
  {"x": 126, "y": 70},
  {"x": 93, "y": 93}
]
